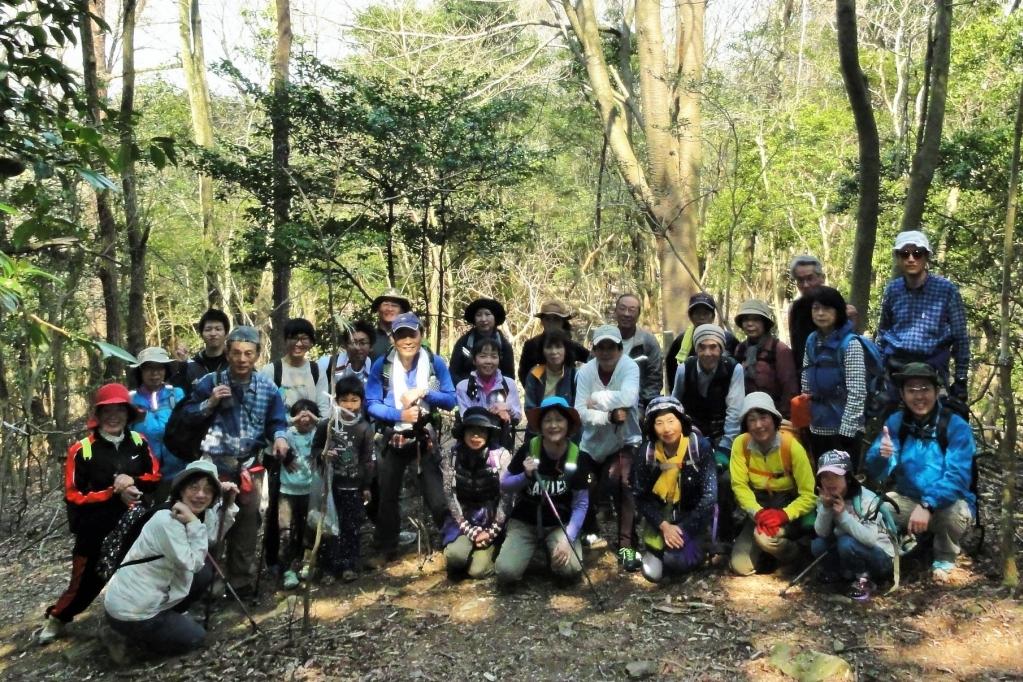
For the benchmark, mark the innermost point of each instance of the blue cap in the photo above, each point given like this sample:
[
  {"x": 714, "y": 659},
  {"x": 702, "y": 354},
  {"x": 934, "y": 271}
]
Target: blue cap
[{"x": 405, "y": 321}]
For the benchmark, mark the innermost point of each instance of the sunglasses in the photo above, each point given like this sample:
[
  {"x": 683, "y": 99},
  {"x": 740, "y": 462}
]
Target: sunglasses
[{"x": 917, "y": 254}]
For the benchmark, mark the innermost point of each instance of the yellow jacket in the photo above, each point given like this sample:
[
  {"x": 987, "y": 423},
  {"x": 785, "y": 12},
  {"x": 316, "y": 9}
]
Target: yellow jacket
[{"x": 752, "y": 471}]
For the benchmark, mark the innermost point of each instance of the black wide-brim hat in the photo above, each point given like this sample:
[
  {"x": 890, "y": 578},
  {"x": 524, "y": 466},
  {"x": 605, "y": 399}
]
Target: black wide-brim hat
[{"x": 490, "y": 304}]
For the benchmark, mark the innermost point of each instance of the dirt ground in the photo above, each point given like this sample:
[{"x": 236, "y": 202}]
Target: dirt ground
[{"x": 409, "y": 622}]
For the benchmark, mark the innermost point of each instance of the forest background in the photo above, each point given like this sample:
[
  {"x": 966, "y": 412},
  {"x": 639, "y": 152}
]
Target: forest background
[{"x": 282, "y": 159}]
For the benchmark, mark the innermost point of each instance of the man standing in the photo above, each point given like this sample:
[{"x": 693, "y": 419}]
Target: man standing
[
  {"x": 641, "y": 346},
  {"x": 247, "y": 413},
  {"x": 354, "y": 360},
  {"x": 387, "y": 306},
  {"x": 607, "y": 396},
  {"x": 406, "y": 388},
  {"x": 702, "y": 310},
  {"x": 922, "y": 317},
  {"x": 213, "y": 327},
  {"x": 711, "y": 387},
  {"x": 808, "y": 273}
]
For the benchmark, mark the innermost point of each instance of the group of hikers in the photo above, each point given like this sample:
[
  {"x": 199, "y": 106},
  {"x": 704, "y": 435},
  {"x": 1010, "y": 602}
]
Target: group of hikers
[{"x": 832, "y": 445}]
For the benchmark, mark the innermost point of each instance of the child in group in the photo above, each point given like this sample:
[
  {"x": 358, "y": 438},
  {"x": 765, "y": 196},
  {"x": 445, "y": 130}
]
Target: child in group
[
  {"x": 352, "y": 460},
  {"x": 472, "y": 485},
  {"x": 850, "y": 526},
  {"x": 296, "y": 480}
]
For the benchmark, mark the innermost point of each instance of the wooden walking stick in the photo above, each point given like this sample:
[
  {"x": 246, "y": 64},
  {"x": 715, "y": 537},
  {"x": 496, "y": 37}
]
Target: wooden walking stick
[{"x": 309, "y": 559}]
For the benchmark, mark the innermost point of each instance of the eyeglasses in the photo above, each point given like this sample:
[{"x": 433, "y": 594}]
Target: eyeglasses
[
  {"x": 302, "y": 338},
  {"x": 917, "y": 254}
]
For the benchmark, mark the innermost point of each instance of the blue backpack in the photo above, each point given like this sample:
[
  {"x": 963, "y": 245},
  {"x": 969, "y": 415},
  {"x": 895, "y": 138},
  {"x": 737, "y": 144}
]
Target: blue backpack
[{"x": 877, "y": 404}]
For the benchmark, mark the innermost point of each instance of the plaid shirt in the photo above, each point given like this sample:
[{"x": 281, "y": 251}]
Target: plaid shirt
[
  {"x": 256, "y": 418},
  {"x": 924, "y": 321}
]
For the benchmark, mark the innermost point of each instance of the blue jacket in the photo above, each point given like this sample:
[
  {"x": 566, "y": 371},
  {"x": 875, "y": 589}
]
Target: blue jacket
[
  {"x": 155, "y": 423},
  {"x": 921, "y": 470},
  {"x": 825, "y": 375},
  {"x": 380, "y": 394}
]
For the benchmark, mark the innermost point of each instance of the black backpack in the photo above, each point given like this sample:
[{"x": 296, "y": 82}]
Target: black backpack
[
  {"x": 122, "y": 537},
  {"x": 183, "y": 437}
]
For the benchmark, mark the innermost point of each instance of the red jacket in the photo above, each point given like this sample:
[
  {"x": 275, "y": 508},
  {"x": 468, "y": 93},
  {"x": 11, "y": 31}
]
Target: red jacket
[{"x": 89, "y": 471}]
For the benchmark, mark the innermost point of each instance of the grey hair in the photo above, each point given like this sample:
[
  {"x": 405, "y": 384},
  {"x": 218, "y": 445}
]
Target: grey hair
[{"x": 806, "y": 259}]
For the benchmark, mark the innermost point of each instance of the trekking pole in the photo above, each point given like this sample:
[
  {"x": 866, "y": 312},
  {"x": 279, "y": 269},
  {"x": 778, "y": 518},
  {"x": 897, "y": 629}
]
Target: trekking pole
[
  {"x": 218, "y": 546},
  {"x": 230, "y": 588},
  {"x": 561, "y": 524},
  {"x": 803, "y": 573}
]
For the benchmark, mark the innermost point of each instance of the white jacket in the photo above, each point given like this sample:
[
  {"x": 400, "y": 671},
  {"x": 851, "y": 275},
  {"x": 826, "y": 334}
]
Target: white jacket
[
  {"x": 141, "y": 591},
  {"x": 600, "y": 436}
]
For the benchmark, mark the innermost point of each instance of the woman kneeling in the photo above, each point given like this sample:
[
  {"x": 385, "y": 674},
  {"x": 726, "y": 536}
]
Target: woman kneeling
[
  {"x": 549, "y": 474},
  {"x": 773, "y": 483},
  {"x": 676, "y": 486},
  {"x": 166, "y": 569},
  {"x": 472, "y": 485}
]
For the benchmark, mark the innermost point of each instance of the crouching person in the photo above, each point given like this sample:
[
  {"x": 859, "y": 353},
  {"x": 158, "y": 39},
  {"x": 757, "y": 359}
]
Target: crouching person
[
  {"x": 773, "y": 484},
  {"x": 549, "y": 476},
  {"x": 850, "y": 527},
  {"x": 927, "y": 450},
  {"x": 166, "y": 570},
  {"x": 472, "y": 485},
  {"x": 675, "y": 485}
]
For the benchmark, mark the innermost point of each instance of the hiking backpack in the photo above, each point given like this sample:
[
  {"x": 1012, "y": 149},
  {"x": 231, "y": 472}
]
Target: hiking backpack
[
  {"x": 116, "y": 545},
  {"x": 876, "y": 405}
]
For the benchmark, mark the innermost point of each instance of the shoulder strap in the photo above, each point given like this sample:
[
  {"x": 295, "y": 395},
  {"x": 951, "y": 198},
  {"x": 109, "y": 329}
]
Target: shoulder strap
[
  {"x": 278, "y": 373},
  {"x": 944, "y": 417},
  {"x": 86, "y": 448},
  {"x": 314, "y": 369},
  {"x": 786, "y": 452}
]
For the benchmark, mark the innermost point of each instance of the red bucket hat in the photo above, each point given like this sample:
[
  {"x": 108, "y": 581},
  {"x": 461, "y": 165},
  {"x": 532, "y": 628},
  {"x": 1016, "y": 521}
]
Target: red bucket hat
[{"x": 114, "y": 394}]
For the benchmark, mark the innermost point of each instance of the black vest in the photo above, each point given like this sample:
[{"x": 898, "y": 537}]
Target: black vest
[
  {"x": 708, "y": 414},
  {"x": 476, "y": 484}
]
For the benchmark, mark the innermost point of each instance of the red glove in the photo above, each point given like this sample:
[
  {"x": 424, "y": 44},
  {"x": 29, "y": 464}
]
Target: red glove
[{"x": 769, "y": 521}]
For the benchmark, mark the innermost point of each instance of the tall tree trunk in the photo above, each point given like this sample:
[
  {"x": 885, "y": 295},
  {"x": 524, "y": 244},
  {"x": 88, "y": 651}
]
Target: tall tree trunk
[
  {"x": 1010, "y": 572},
  {"x": 138, "y": 235},
  {"x": 106, "y": 267},
  {"x": 193, "y": 61},
  {"x": 925, "y": 160},
  {"x": 281, "y": 188},
  {"x": 870, "y": 157}
]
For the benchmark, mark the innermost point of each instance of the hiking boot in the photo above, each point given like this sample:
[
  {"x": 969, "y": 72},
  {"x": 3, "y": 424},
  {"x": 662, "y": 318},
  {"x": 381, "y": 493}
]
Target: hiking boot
[
  {"x": 629, "y": 559},
  {"x": 861, "y": 589},
  {"x": 407, "y": 537},
  {"x": 941, "y": 571},
  {"x": 52, "y": 629},
  {"x": 290, "y": 580},
  {"x": 593, "y": 541}
]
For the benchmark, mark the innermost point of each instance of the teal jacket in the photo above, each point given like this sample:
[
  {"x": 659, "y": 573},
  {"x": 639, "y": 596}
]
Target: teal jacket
[
  {"x": 158, "y": 409},
  {"x": 919, "y": 468}
]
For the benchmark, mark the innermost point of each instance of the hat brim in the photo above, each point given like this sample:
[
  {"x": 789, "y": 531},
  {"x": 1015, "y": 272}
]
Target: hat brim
[
  {"x": 138, "y": 365},
  {"x": 185, "y": 474},
  {"x": 838, "y": 471},
  {"x": 490, "y": 304},
  {"x": 768, "y": 322},
  {"x": 406, "y": 305},
  {"x": 135, "y": 413},
  {"x": 901, "y": 379},
  {"x": 534, "y": 416},
  {"x": 606, "y": 337},
  {"x": 551, "y": 313}
]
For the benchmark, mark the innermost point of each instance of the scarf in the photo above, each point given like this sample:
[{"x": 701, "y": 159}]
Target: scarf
[
  {"x": 666, "y": 486},
  {"x": 399, "y": 378},
  {"x": 687, "y": 345}
]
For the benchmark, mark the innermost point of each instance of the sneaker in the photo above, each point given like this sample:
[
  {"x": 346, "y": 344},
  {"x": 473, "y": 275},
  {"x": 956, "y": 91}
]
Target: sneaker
[
  {"x": 941, "y": 571},
  {"x": 629, "y": 559},
  {"x": 407, "y": 537},
  {"x": 349, "y": 576},
  {"x": 52, "y": 629},
  {"x": 861, "y": 589},
  {"x": 290, "y": 580},
  {"x": 593, "y": 541}
]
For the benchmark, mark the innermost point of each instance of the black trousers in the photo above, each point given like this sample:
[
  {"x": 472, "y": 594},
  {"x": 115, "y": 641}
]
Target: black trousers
[{"x": 390, "y": 474}]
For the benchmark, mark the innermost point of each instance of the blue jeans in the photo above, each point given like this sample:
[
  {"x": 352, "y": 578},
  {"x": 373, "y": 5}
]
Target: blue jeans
[{"x": 849, "y": 557}]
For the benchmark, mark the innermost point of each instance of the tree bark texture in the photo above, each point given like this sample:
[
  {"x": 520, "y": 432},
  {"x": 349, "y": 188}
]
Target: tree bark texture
[
  {"x": 1010, "y": 571},
  {"x": 138, "y": 235},
  {"x": 106, "y": 268},
  {"x": 869, "y": 156},
  {"x": 925, "y": 160},
  {"x": 281, "y": 189},
  {"x": 193, "y": 61},
  {"x": 664, "y": 185}
]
